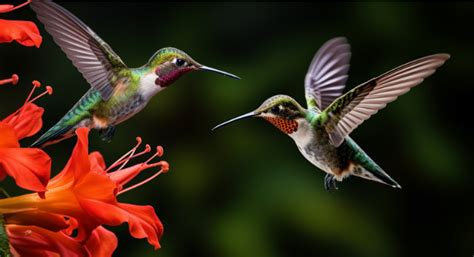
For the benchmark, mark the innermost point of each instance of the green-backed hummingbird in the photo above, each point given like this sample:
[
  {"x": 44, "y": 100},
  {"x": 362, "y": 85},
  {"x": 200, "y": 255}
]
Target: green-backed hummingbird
[
  {"x": 117, "y": 92},
  {"x": 321, "y": 131}
]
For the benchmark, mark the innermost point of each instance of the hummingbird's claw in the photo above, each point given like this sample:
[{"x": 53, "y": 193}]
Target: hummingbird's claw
[
  {"x": 330, "y": 182},
  {"x": 334, "y": 185}
]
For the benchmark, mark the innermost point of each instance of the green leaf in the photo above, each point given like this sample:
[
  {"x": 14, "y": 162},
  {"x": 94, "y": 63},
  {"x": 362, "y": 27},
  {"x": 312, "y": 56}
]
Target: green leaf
[{"x": 4, "y": 243}]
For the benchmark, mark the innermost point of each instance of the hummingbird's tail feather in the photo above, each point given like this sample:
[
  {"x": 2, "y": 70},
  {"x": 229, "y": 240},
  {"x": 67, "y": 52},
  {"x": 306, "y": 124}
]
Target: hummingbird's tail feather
[
  {"x": 375, "y": 173},
  {"x": 55, "y": 134},
  {"x": 78, "y": 116},
  {"x": 365, "y": 167}
]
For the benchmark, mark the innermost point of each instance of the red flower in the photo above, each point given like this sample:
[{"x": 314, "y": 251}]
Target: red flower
[
  {"x": 85, "y": 192},
  {"x": 36, "y": 241},
  {"x": 46, "y": 220},
  {"x": 101, "y": 243},
  {"x": 24, "y": 32},
  {"x": 29, "y": 167}
]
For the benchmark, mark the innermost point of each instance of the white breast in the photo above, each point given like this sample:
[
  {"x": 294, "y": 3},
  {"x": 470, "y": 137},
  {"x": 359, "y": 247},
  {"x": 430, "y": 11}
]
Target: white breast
[
  {"x": 148, "y": 88},
  {"x": 306, "y": 135}
]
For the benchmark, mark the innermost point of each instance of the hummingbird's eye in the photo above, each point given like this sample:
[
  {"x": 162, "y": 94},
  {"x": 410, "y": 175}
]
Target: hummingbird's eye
[
  {"x": 275, "y": 109},
  {"x": 179, "y": 62}
]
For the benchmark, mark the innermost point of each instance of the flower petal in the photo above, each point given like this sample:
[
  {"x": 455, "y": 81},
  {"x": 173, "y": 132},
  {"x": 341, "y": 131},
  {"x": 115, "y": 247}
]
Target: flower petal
[
  {"x": 96, "y": 202},
  {"x": 27, "y": 122},
  {"x": 101, "y": 243},
  {"x": 46, "y": 220},
  {"x": 8, "y": 137},
  {"x": 89, "y": 188},
  {"x": 123, "y": 176},
  {"x": 78, "y": 164},
  {"x": 24, "y": 32},
  {"x": 35, "y": 241},
  {"x": 97, "y": 162},
  {"x": 142, "y": 220},
  {"x": 30, "y": 167},
  {"x": 79, "y": 161}
]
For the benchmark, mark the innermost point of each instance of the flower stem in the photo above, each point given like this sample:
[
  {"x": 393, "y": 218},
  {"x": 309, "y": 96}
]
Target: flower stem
[{"x": 4, "y": 243}]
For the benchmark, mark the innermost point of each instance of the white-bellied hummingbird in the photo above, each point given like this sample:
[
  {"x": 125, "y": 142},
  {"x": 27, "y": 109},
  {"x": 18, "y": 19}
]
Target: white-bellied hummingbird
[
  {"x": 321, "y": 132},
  {"x": 117, "y": 92}
]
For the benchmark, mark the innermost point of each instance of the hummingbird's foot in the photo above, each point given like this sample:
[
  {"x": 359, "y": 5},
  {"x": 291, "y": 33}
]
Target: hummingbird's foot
[
  {"x": 106, "y": 134},
  {"x": 327, "y": 182},
  {"x": 330, "y": 182}
]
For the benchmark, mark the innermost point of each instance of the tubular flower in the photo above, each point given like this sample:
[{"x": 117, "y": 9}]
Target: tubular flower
[
  {"x": 85, "y": 192},
  {"x": 29, "y": 167},
  {"x": 23, "y": 32}
]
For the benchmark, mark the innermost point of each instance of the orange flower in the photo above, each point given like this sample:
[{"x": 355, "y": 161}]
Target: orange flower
[
  {"x": 36, "y": 241},
  {"x": 101, "y": 243},
  {"x": 50, "y": 221},
  {"x": 29, "y": 167},
  {"x": 85, "y": 192},
  {"x": 24, "y": 32}
]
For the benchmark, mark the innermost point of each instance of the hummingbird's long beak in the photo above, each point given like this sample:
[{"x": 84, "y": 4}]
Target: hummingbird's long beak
[
  {"x": 205, "y": 68},
  {"x": 241, "y": 117}
]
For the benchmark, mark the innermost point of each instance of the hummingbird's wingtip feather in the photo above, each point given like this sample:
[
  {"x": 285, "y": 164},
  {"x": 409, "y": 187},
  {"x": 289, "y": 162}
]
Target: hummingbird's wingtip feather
[{"x": 445, "y": 55}]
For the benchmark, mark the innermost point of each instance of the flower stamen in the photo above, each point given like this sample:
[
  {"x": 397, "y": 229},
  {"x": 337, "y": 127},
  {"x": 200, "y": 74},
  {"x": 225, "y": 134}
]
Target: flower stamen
[
  {"x": 14, "y": 80},
  {"x": 36, "y": 84},
  {"x": 164, "y": 169},
  {"x": 18, "y": 6},
  {"x": 143, "y": 182},
  {"x": 49, "y": 91},
  {"x": 132, "y": 151},
  {"x": 159, "y": 153},
  {"x": 129, "y": 155},
  {"x": 146, "y": 150}
]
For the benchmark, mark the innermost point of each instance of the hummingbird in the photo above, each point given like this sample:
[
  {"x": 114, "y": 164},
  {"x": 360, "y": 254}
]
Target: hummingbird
[
  {"x": 321, "y": 132},
  {"x": 117, "y": 92}
]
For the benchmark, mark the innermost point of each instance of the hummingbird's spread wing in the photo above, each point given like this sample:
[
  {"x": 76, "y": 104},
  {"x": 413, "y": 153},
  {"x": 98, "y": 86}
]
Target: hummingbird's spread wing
[
  {"x": 327, "y": 74},
  {"x": 88, "y": 52},
  {"x": 350, "y": 110}
]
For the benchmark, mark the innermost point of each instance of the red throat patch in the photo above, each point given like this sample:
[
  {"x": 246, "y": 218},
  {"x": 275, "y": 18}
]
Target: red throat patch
[
  {"x": 286, "y": 126},
  {"x": 165, "y": 80}
]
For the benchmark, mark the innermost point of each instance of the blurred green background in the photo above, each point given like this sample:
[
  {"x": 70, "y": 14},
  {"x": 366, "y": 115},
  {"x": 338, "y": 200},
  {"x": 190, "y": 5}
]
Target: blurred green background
[{"x": 246, "y": 190}]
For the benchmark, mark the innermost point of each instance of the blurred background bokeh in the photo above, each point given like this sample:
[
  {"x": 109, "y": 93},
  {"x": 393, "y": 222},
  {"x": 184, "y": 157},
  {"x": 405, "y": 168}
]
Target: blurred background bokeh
[{"x": 245, "y": 190}]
